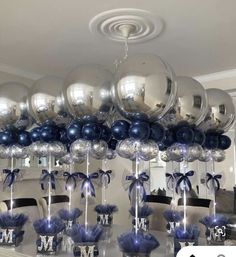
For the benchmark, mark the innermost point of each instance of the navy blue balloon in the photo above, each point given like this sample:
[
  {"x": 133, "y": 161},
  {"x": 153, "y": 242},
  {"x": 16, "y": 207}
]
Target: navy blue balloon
[
  {"x": 199, "y": 137},
  {"x": 212, "y": 141},
  {"x": 91, "y": 131},
  {"x": 105, "y": 133},
  {"x": 63, "y": 136},
  {"x": 139, "y": 130},
  {"x": 161, "y": 146},
  {"x": 112, "y": 144},
  {"x": 35, "y": 134},
  {"x": 24, "y": 138},
  {"x": 157, "y": 132},
  {"x": 120, "y": 129},
  {"x": 169, "y": 138},
  {"x": 8, "y": 137},
  {"x": 184, "y": 135},
  {"x": 224, "y": 142},
  {"x": 74, "y": 131},
  {"x": 48, "y": 133}
]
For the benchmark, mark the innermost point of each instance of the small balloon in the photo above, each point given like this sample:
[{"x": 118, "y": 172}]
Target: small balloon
[
  {"x": 212, "y": 140},
  {"x": 185, "y": 135},
  {"x": 177, "y": 151},
  {"x": 199, "y": 137},
  {"x": 74, "y": 131},
  {"x": 218, "y": 155},
  {"x": 194, "y": 152},
  {"x": 80, "y": 147},
  {"x": 165, "y": 156},
  {"x": 148, "y": 150},
  {"x": 120, "y": 129},
  {"x": 205, "y": 156},
  {"x": 98, "y": 149},
  {"x": 56, "y": 149},
  {"x": 139, "y": 130},
  {"x": 35, "y": 134},
  {"x": 24, "y": 138},
  {"x": 224, "y": 142},
  {"x": 157, "y": 132},
  {"x": 105, "y": 133},
  {"x": 111, "y": 154},
  {"x": 91, "y": 131}
]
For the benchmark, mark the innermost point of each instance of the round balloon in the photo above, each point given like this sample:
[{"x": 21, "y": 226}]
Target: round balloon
[
  {"x": 45, "y": 103},
  {"x": 13, "y": 108},
  {"x": 144, "y": 88},
  {"x": 221, "y": 112},
  {"x": 86, "y": 92},
  {"x": 191, "y": 103}
]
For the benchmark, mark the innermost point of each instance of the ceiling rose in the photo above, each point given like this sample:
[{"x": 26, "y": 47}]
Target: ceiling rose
[{"x": 143, "y": 25}]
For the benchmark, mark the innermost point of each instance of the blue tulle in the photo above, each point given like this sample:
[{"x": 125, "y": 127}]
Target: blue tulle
[
  {"x": 106, "y": 209},
  {"x": 191, "y": 233},
  {"x": 173, "y": 216},
  {"x": 73, "y": 214},
  {"x": 143, "y": 212},
  {"x": 45, "y": 226},
  {"x": 79, "y": 234},
  {"x": 12, "y": 220},
  {"x": 212, "y": 221},
  {"x": 137, "y": 243}
]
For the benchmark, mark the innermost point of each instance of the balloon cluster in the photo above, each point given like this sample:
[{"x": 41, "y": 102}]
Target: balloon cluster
[{"x": 159, "y": 112}]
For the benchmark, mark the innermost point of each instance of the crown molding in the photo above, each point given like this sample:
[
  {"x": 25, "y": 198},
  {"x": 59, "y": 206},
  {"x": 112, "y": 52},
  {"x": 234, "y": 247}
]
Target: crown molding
[
  {"x": 216, "y": 76},
  {"x": 19, "y": 72}
]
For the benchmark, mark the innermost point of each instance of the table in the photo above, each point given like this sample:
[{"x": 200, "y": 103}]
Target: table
[{"x": 107, "y": 248}]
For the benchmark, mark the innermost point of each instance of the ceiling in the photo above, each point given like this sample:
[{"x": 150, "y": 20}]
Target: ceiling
[{"x": 51, "y": 37}]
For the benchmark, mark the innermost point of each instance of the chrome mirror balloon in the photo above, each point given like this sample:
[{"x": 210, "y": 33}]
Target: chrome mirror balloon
[
  {"x": 144, "y": 88},
  {"x": 86, "y": 92}
]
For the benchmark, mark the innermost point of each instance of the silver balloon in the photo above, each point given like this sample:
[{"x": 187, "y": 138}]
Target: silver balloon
[
  {"x": 165, "y": 156},
  {"x": 111, "y": 154},
  {"x": 177, "y": 152},
  {"x": 205, "y": 156},
  {"x": 191, "y": 103},
  {"x": 194, "y": 152},
  {"x": 39, "y": 149},
  {"x": 70, "y": 159},
  {"x": 86, "y": 92},
  {"x": 16, "y": 151},
  {"x": 218, "y": 155},
  {"x": 3, "y": 152},
  {"x": 128, "y": 148},
  {"x": 45, "y": 103},
  {"x": 56, "y": 149},
  {"x": 80, "y": 147},
  {"x": 78, "y": 159},
  {"x": 221, "y": 111},
  {"x": 98, "y": 149},
  {"x": 148, "y": 150},
  {"x": 13, "y": 109},
  {"x": 144, "y": 85}
]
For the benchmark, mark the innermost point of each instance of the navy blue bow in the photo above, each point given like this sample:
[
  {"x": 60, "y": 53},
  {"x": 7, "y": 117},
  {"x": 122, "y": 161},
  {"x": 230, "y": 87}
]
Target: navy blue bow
[
  {"x": 138, "y": 182},
  {"x": 183, "y": 178},
  {"x": 170, "y": 181},
  {"x": 48, "y": 177},
  {"x": 214, "y": 179},
  {"x": 70, "y": 180},
  {"x": 106, "y": 174},
  {"x": 87, "y": 184},
  {"x": 10, "y": 176}
]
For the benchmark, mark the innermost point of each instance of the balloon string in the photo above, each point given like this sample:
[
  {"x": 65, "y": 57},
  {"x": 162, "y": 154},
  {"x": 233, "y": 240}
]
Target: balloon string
[
  {"x": 70, "y": 190},
  {"x": 11, "y": 188},
  {"x": 214, "y": 193},
  {"x": 86, "y": 193},
  {"x": 136, "y": 195},
  {"x": 104, "y": 200},
  {"x": 185, "y": 165},
  {"x": 49, "y": 187}
]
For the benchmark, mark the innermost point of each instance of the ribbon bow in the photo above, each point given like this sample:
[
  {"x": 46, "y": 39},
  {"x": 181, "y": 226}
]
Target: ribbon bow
[
  {"x": 170, "y": 181},
  {"x": 106, "y": 175},
  {"x": 138, "y": 182},
  {"x": 10, "y": 176},
  {"x": 87, "y": 184},
  {"x": 71, "y": 178},
  {"x": 183, "y": 178},
  {"x": 214, "y": 179},
  {"x": 48, "y": 177}
]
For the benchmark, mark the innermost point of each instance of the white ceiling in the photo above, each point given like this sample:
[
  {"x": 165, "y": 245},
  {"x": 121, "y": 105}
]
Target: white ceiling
[{"x": 52, "y": 36}]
